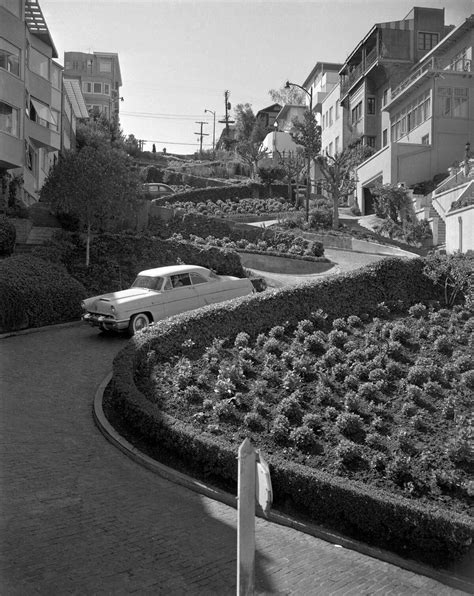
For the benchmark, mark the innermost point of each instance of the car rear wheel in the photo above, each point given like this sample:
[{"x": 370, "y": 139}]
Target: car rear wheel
[{"x": 137, "y": 323}]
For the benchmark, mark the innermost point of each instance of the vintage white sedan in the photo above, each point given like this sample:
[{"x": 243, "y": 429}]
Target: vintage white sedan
[{"x": 160, "y": 293}]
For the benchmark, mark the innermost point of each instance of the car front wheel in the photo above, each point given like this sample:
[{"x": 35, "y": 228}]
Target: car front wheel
[{"x": 137, "y": 323}]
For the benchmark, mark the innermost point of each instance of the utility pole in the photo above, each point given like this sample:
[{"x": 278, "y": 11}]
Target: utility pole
[
  {"x": 201, "y": 134},
  {"x": 227, "y": 119}
]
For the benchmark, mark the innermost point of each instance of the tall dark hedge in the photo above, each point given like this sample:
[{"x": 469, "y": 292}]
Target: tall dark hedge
[
  {"x": 34, "y": 293},
  {"x": 7, "y": 236}
]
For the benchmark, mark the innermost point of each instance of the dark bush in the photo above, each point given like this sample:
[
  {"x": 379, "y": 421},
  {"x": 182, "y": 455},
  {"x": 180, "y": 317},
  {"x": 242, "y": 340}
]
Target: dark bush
[
  {"x": 7, "y": 236},
  {"x": 34, "y": 293}
]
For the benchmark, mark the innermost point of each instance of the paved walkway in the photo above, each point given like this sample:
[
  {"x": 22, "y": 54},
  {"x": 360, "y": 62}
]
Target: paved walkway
[{"x": 79, "y": 517}]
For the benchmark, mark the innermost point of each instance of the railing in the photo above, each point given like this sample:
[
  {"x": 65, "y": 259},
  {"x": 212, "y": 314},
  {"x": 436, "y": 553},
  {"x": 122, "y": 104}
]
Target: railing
[
  {"x": 434, "y": 64},
  {"x": 359, "y": 70}
]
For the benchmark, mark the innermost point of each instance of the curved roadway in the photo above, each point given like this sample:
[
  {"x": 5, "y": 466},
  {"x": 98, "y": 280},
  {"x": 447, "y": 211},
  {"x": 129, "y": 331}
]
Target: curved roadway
[{"x": 79, "y": 517}]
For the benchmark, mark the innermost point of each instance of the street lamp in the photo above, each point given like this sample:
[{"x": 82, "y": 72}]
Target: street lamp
[
  {"x": 308, "y": 157},
  {"x": 213, "y": 133}
]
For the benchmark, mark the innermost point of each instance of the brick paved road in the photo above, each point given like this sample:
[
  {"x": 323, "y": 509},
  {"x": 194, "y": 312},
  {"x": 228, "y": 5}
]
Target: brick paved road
[{"x": 78, "y": 517}]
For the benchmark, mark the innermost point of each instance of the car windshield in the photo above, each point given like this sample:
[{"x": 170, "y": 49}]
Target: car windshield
[{"x": 147, "y": 282}]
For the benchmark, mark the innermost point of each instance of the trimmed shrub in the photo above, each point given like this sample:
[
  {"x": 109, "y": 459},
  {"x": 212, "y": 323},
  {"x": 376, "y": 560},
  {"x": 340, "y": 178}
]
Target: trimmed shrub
[{"x": 34, "y": 293}]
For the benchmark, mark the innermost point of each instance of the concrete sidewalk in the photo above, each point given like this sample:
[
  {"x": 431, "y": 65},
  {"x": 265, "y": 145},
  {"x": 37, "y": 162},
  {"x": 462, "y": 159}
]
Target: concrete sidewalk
[{"x": 79, "y": 517}]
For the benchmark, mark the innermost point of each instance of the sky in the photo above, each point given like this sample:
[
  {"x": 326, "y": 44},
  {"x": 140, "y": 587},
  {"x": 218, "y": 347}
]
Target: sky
[{"x": 177, "y": 57}]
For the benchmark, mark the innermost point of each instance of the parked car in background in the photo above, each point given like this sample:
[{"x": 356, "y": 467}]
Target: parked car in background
[
  {"x": 160, "y": 293},
  {"x": 156, "y": 190}
]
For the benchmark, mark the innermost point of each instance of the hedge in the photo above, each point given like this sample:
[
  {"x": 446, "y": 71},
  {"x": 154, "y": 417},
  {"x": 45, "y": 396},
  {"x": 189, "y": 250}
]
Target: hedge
[
  {"x": 223, "y": 193},
  {"x": 427, "y": 533},
  {"x": 7, "y": 236},
  {"x": 117, "y": 258},
  {"x": 34, "y": 293}
]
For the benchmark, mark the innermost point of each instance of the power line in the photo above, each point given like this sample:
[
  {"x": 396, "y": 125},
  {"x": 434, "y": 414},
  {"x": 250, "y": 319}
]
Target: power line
[
  {"x": 161, "y": 116},
  {"x": 171, "y": 142}
]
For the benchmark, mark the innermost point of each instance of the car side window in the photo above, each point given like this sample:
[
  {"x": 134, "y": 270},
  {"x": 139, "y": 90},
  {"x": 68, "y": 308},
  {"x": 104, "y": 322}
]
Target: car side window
[
  {"x": 197, "y": 278},
  {"x": 180, "y": 280},
  {"x": 167, "y": 285}
]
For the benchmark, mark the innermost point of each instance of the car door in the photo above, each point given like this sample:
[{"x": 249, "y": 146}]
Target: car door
[{"x": 180, "y": 295}]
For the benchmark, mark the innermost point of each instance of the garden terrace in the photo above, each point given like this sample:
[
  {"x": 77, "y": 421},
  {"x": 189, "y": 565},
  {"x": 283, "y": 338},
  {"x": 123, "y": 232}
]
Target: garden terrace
[{"x": 370, "y": 513}]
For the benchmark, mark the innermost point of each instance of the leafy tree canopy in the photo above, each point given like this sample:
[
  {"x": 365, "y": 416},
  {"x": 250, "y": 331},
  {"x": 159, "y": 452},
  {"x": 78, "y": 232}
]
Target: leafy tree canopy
[
  {"x": 97, "y": 186},
  {"x": 338, "y": 174},
  {"x": 244, "y": 121},
  {"x": 307, "y": 133},
  {"x": 291, "y": 96}
]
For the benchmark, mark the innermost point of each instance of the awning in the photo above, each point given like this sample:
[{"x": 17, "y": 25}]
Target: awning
[{"x": 43, "y": 111}]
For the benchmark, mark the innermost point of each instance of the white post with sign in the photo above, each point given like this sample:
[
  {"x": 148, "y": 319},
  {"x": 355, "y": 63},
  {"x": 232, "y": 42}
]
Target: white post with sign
[{"x": 254, "y": 484}]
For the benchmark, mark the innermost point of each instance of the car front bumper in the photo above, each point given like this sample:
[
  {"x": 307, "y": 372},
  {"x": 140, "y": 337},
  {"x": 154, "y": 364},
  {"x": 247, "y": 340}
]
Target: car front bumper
[{"x": 105, "y": 322}]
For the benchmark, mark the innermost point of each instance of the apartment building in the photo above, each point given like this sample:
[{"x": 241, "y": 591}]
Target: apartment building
[
  {"x": 30, "y": 95},
  {"x": 427, "y": 117},
  {"x": 379, "y": 63},
  {"x": 100, "y": 79}
]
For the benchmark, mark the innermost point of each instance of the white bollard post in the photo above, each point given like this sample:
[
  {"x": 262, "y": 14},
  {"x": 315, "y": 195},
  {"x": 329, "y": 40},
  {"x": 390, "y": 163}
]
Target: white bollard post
[{"x": 246, "y": 520}]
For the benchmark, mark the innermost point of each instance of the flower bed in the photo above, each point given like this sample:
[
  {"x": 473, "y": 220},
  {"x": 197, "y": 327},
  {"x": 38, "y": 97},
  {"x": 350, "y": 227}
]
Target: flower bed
[
  {"x": 277, "y": 244},
  {"x": 230, "y": 208},
  {"x": 340, "y": 500}
]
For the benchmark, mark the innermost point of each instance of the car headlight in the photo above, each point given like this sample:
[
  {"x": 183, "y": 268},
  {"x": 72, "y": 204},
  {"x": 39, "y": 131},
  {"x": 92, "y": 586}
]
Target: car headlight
[
  {"x": 112, "y": 308},
  {"x": 83, "y": 305}
]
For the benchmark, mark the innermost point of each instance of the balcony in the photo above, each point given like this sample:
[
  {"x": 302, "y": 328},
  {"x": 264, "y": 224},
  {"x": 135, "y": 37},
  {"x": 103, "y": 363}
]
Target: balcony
[
  {"x": 358, "y": 71},
  {"x": 434, "y": 65}
]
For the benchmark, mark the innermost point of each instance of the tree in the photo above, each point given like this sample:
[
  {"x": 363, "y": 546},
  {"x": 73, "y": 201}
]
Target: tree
[
  {"x": 132, "y": 146},
  {"x": 269, "y": 174},
  {"x": 291, "y": 96},
  {"x": 338, "y": 173},
  {"x": 393, "y": 202},
  {"x": 307, "y": 133},
  {"x": 293, "y": 163},
  {"x": 99, "y": 130},
  {"x": 251, "y": 153},
  {"x": 244, "y": 121},
  {"x": 96, "y": 185}
]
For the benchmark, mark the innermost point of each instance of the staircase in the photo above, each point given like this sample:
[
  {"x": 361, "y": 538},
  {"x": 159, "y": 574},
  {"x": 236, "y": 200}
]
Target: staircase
[{"x": 42, "y": 225}]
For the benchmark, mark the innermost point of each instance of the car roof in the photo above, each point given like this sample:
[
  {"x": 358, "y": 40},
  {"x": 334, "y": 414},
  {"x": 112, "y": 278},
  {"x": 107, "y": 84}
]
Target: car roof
[{"x": 173, "y": 270}]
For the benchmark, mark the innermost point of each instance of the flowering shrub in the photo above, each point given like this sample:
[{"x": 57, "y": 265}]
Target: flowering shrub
[{"x": 371, "y": 400}]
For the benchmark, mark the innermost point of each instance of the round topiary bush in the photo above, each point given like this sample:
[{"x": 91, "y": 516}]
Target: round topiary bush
[{"x": 7, "y": 236}]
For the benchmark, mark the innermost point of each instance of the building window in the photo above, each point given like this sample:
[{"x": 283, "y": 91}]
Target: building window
[
  {"x": 357, "y": 112},
  {"x": 336, "y": 111},
  {"x": 426, "y": 41},
  {"x": 330, "y": 149},
  {"x": 12, "y": 5},
  {"x": 9, "y": 120},
  {"x": 384, "y": 137},
  {"x": 42, "y": 115},
  {"x": 330, "y": 116},
  {"x": 75, "y": 65},
  {"x": 86, "y": 87},
  {"x": 30, "y": 157},
  {"x": 97, "y": 88},
  {"x": 55, "y": 77},
  {"x": 461, "y": 61},
  {"x": 39, "y": 63},
  {"x": 412, "y": 116},
  {"x": 56, "y": 116},
  {"x": 370, "y": 142},
  {"x": 425, "y": 140},
  {"x": 9, "y": 57},
  {"x": 105, "y": 66},
  {"x": 106, "y": 89},
  {"x": 336, "y": 145},
  {"x": 371, "y": 105},
  {"x": 453, "y": 103},
  {"x": 385, "y": 97}
]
